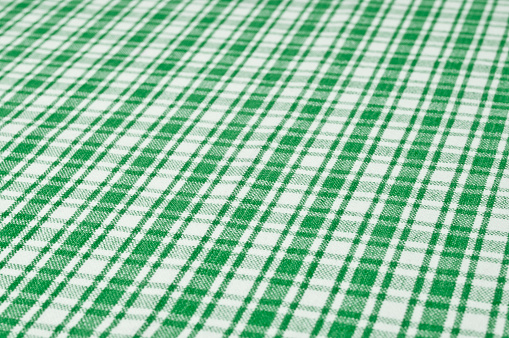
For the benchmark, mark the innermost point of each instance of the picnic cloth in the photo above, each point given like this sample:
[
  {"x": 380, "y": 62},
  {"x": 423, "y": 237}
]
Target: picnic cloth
[{"x": 254, "y": 168}]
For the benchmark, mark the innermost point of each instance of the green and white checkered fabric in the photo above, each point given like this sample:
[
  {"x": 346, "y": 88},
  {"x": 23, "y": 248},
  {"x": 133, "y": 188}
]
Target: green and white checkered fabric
[{"x": 254, "y": 168}]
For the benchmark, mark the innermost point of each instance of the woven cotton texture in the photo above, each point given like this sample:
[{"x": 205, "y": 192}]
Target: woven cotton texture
[{"x": 254, "y": 168}]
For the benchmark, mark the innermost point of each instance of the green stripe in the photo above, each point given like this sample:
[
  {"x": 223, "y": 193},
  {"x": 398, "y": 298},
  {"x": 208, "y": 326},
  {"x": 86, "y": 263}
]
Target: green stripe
[
  {"x": 211, "y": 306},
  {"x": 16, "y": 96},
  {"x": 51, "y": 121},
  {"x": 157, "y": 18},
  {"x": 407, "y": 231},
  {"x": 13, "y": 9},
  {"x": 36, "y": 32},
  {"x": 66, "y": 171},
  {"x": 217, "y": 151},
  {"x": 134, "y": 98},
  {"x": 355, "y": 184},
  {"x": 464, "y": 156},
  {"x": 299, "y": 247},
  {"x": 365, "y": 275},
  {"x": 59, "y": 179},
  {"x": 341, "y": 62},
  {"x": 236, "y": 49},
  {"x": 459, "y": 231},
  {"x": 164, "y": 135}
]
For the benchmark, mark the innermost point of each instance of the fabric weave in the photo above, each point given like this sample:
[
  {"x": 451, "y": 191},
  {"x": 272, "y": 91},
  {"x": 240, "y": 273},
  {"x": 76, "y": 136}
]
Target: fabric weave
[{"x": 296, "y": 168}]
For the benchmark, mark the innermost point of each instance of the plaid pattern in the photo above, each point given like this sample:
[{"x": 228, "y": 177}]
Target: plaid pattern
[{"x": 254, "y": 168}]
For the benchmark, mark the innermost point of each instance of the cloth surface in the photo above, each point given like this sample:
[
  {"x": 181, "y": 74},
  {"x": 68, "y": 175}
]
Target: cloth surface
[{"x": 254, "y": 168}]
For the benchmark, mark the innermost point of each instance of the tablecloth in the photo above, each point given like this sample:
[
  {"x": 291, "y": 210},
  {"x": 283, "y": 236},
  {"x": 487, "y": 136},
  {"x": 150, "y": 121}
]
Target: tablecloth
[{"x": 254, "y": 168}]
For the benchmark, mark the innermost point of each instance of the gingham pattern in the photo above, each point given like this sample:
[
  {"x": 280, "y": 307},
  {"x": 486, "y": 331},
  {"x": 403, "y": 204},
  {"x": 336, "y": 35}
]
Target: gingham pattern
[{"x": 254, "y": 168}]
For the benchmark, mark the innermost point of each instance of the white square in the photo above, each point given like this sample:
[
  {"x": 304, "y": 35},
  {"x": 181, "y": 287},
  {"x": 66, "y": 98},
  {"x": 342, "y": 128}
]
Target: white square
[
  {"x": 323, "y": 41},
  {"x": 97, "y": 175},
  {"x": 375, "y": 168},
  {"x": 331, "y": 127},
  {"x": 127, "y": 141},
  {"x": 23, "y": 257},
  {"x": 164, "y": 276},
  {"x": 129, "y": 220},
  {"x": 36, "y": 169},
  {"x": 474, "y": 322},
  {"x": 442, "y": 176},
  {"x": 187, "y": 147},
  {"x": 203, "y": 333},
  {"x": 351, "y": 97},
  {"x": 125, "y": 78},
  {"x": 64, "y": 212},
  {"x": 290, "y": 198},
  {"x": 488, "y": 268},
  {"x": 202, "y": 57},
  {"x": 408, "y": 103},
  {"x": 159, "y": 183},
  {"x": 150, "y": 52},
  {"x": 266, "y": 238},
  {"x": 223, "y": 189},
  {"x": 68, "y": 135},
  {"x": 427, "y": 215},
  {"x": 338, "y": 248},
  {"x": 358, "y": 206},
  {"x": 310, "y": 65},
  {"x": 36, "y": 332},
  {"x": 431, "y": 51},
  {"x": 456, "y": 140},
  {"x": 248, "y": 153},
  {"x": 51, "y": 44},
  {"x": 239, "y": 287},
  {"x": 393, "y": 310},
  {"x": 52, "y": 316},
  {"x": 44, "y": 100},
  {"x": 504, "y": 182},
  {"x": 499, "y": 224},
  {"x": 393, "y": 134},
  {"x": 312, "y": 161},
  {"x": 92, "y": 266},
  {"x": 155, "y": 110},
  {"x": 314, "y": 298},
  {"x": 410, "y": 257},
  {"x": 196, "y": 229},
  {"x": 13, "y": 128},
  {"x": 5, "y": 204},
  {"x": 378, "y": 46},
  {"x": 293, "y": 92}
]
